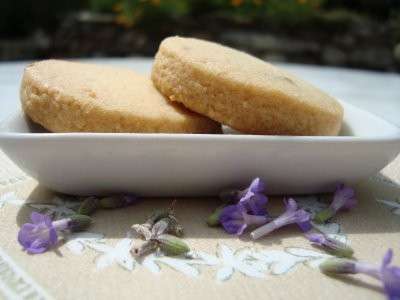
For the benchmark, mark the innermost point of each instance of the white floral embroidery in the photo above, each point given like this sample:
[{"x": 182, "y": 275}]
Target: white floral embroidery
[
  {"x": 392, "y": 204},
  {"x": 10, "y": 198},
  {"x": 226, "y": 261},
  {"x": 152, "y": 261},
  {"x": 332, "y": 230},
  {"x": 278, "y": 262},
  {"x": 313, "y": 258},
  {"x": 77, "y": 242},
  {"x": 230, "y": 261},
  {"x": 384, "y": 180},
  {"x": 119, "y": 254},
  {"x": 312, "y": 204}
]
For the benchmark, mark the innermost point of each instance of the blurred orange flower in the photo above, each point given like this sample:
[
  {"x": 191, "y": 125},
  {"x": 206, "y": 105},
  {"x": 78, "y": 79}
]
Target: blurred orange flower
[{"x": 237, "y": 2}]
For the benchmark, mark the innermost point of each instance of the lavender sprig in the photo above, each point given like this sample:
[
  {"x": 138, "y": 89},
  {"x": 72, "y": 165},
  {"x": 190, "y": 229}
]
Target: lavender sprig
[
  {"x": 387, "y": 274},
  {"x": 42, "y": 233},
  {"x": 343, "y": 199},
  {"x": 292, "y": 215},
  {"x": 235, "y": 219},
  {"x": 249, "y": 210}
]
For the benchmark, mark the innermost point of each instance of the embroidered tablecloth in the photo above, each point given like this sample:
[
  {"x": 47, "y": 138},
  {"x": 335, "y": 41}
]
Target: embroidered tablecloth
[{"x": 98, "y": 264}]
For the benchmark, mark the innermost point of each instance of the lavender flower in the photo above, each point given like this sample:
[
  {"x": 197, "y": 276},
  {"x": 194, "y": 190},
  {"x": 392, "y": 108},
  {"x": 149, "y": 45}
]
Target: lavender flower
[
  {"x": 388, "y": 275},
  {"x": 42, "y": 233},
  {"x": 331, "y": 245},
  {"x": 343, "y": 199},
  {"x": 292, "y": 215},
  {"x": 253, "y": 199},
  {"x": 235, "y": 219}
]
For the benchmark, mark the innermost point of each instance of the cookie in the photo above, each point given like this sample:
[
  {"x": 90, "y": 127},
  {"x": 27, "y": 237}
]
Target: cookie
[
  {"x": 72, "y": 97},
  {"x": 241, "y": 91}
]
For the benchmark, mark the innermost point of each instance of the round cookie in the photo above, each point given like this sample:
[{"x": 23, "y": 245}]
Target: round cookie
[
  {"x": 239, "y": 90},
  {"x": 71, "y": 97}
]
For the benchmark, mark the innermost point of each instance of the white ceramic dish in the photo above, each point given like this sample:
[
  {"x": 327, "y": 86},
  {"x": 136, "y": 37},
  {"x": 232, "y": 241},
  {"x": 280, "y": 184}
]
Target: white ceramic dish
[{"x": 200, "y": 165}]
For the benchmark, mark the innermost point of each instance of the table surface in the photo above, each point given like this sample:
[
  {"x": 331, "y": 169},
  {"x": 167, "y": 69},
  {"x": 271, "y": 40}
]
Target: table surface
[{"x": 99, "y": 266}]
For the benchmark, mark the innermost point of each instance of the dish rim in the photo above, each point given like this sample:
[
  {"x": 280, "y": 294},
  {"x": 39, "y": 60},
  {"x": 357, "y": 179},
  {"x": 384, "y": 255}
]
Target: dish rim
[{"x": 393, "y": 136}]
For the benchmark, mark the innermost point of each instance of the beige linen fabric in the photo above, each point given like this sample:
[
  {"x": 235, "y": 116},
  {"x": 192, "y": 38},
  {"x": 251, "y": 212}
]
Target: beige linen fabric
[{"x": 371, "y": 228}]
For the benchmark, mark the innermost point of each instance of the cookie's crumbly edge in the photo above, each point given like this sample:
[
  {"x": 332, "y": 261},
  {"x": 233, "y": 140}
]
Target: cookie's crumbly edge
[
  {"x": 59, "y": 112},
  {"x": 244, "y": 108}
]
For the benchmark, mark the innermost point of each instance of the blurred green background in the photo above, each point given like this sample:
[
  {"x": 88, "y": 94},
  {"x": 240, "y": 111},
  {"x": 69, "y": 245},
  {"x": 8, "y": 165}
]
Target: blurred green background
[{"x": 350, "y": 33}]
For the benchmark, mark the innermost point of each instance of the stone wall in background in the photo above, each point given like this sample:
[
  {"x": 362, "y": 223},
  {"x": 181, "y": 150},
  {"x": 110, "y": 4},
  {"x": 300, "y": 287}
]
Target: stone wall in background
[{"x": 366, "y": 45}]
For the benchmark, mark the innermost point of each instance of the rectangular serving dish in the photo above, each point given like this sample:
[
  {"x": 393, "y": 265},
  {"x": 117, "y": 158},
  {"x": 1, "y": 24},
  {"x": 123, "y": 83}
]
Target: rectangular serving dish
[{"x": 200, "y": 164}]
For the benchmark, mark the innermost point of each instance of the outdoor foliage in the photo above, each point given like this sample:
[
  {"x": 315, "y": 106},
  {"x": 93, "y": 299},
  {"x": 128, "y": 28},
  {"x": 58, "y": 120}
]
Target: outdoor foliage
[{"x": 23, "y": 16}]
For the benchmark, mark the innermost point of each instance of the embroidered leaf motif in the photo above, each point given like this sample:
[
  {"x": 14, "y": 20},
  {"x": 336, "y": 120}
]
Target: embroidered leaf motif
[
  {"x": 202, "y": 258},
  {"x": 392, "y": 204},
  {"x": 311, "y": 204},
  {"x": 279, "y": 262},
  {"x": 119, "y": 254},
  {"x": 180, "y": 265},
  {"x": 314, "y": 258},
  {"x": 328, "y": 228},
  {"x": 152, "y": 263},
  {"x": 149, "y": 263},
  {"x": 332, "y": 230},
  {"x": 230, "y": 261},
  {"x": 224, "y": 273},
  {"x": 77, "y": 242},
  {"x": 10, "y": 198}
]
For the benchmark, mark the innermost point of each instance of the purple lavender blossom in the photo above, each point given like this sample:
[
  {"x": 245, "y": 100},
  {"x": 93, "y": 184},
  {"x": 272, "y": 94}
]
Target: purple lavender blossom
[
  {"x": 331, "y": 245},
  {"x": 42, "y": 233},
  {"x": 292, "y": 215},
  {"x": 252, "y": 199},
  {"x": 343, "y": 199},
  {"x": 388, "y": 275},
  {"x": 235, "y": 219}
]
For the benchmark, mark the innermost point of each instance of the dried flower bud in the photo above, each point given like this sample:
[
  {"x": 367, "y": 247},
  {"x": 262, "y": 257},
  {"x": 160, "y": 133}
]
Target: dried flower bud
[
  {"x": 177, "y": 230},
  {"x": 156, "y": 216},
  {"x": 173, "y": 226},
  {"x": 145, "y": 248},
  {"x": 88, "y": 206},
  {"x": 171, "y": 245},
  {"x": 79, "y": 222},
  {"x": 143, "y": 230},
  {"x": 338, "y": 266},
  {"x": 160, "y": 227}
]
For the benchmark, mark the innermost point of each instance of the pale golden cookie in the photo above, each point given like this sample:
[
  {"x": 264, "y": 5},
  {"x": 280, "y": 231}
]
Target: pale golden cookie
[
  {"x": 68, "y": 97},
  {"x": 239, "y": 90}
]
